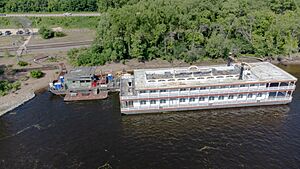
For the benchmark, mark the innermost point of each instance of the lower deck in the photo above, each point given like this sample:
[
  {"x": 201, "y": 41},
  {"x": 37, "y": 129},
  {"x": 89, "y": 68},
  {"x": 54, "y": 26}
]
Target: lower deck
[{"x": 215, "y": 105}]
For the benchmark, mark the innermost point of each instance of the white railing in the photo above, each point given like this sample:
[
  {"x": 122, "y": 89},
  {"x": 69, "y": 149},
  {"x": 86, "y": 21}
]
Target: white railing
[
  {"x": 212, "y": 91},
  {"x": 219, "y": 103}
]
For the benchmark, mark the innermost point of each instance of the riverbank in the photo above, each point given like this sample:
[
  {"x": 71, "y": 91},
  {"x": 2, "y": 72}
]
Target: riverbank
[{"x": 26, "y": 93}]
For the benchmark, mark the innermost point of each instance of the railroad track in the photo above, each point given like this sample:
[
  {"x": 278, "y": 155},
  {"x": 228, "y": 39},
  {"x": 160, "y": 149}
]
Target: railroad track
[{"x": 48, "y": 46}]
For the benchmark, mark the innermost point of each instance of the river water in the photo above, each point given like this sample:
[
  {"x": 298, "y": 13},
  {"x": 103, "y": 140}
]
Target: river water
[{"x": 49, "y": 133}]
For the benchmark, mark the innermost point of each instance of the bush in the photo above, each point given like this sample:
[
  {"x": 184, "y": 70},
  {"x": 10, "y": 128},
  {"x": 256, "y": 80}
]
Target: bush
[
  {"x": 36, "y": 74},
  {"x": 22, "y": 63},
  {"x": 46, "y": 33},
  {"x": 1, "y": 71},
  {"x": 59, "y": 34},
  {"x": 6, "y": 86}
]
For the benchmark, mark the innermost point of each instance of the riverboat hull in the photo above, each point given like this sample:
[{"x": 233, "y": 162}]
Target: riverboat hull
[{"x": 194, "y": 108}]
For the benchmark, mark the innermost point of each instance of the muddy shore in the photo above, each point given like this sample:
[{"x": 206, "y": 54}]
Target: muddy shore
[{"x": 25, "y": 94}]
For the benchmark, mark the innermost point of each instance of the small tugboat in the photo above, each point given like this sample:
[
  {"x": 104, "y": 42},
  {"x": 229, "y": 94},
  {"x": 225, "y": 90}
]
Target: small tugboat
[{"x": 84, "y": 83}]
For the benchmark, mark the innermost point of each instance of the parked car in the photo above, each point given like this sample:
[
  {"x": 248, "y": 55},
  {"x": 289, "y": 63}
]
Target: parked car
[
  {"x": 27, "y": 32},
  {"x": 2, "y": 14},
  {"x": 6, "y": 33},
  {"x": 19, "y": 32},
  {"x": 67, "y": 14}
]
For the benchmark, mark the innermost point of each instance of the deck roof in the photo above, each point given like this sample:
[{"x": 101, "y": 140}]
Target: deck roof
[
  {"x": 207, "y": 75},
  {"x": 81, "y": 73}
]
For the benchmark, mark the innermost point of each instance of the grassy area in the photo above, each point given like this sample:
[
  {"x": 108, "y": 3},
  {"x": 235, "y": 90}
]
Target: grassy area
[
  {"x": 66, "y": 22},
  {"x": 9, "y": 23},
  {"x": 9, "y": 40},
  {"x": 72, "y": 35}
]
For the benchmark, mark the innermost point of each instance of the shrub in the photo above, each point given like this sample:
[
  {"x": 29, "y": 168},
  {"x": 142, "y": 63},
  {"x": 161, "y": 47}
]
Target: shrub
[
  {"x": 59, "y": 34},
  {"x": 1, "y": 71},
  {"x": 6, "y": 86},
  {"x": 46, "y": 33},
  {"x": 36, "y": 74},
  {"x": 22, "y": 63}
]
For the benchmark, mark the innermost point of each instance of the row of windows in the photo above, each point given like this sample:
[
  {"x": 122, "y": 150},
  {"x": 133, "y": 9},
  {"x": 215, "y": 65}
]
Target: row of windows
[
  {"x": 202, "y": 88},
  {"x": 182, "y": 100},
  {"x": 199, "y": 78}
]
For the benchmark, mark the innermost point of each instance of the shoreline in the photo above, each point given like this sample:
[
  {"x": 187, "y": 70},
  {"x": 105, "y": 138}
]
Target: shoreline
[{"x": 28, "y": 91}]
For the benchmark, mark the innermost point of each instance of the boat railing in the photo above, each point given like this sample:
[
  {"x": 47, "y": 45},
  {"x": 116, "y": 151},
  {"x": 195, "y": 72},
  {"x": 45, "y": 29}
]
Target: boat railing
[
  {"x": 205, "y": 104},
  {"x": 196, "y": 94}
]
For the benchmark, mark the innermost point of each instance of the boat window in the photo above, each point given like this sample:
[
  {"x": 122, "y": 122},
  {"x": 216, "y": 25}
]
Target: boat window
[
  {"x": 152, "y": 91},
  {"x": 171, "y": 80},
  {"x": 151, "y": 81},
  {"x": 211, "y": 98},
  {"x": 192, "y": 89},
  {"x": 251, "y": 85},
  {"x": 192, "y": 99},
  {"x": 221, "y": 97},
  {"x": 142, "y": 102},
  {"x": 201, "y": 98},
  {"x": 142, "y": 91},
  {"x": 250, "y": 95},
  {"x": 284, "y": 84},
  {"x": 274, "y": 84},
  {"x": 162, "y": 101},
  {"x": 213, "y": 87},
  {"x": 232, "y": 86},
  {"x": 210, "y": 77},
  {"x": 200, "y": 78},
  {"x": 223, "y": 87},
  {"x": 242, "y": 85},
  {"x": 240, "y": 96},
  {"x": 262, "y": 84},
  {"x": 191, "y": 79},
  {"x": 202, "y": 88},
  {"x": 161, "y": 80},
  {"x": 163, "y": 91},
  {"x": 182, "y": 100},
  {"x": 259, "y": 95},
  {"x": 181, "y": 79},
  {"x": 82, "y": 81},
  {"x": 152, "y": 101},
  {"x": 220, "y": 77},
  {"x": 230, "y": 97},
  {"x": 229, "y": 76},
  {"x": 182, "y": 90}
]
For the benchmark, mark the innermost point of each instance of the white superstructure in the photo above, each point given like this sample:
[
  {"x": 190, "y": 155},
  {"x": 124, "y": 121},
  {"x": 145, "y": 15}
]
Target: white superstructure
[{"x": 205, "y": 87}]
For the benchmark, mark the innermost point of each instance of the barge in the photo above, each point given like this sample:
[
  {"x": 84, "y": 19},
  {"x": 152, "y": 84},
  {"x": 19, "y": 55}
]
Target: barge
[
  {"x": 205, "y": 87},
  {"x": 182, "y": 88},
  {"x": 84, "y": 83}
]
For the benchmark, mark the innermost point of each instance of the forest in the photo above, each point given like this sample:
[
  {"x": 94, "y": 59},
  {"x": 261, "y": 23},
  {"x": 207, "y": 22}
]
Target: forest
[
  {"x": 47, "y": 5},
  {"x": 192, "y": 30}
]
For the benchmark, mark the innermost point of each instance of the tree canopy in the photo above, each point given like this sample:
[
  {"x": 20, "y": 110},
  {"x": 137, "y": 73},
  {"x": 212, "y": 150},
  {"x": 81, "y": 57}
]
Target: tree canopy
[{"x": 193, "y": 29}]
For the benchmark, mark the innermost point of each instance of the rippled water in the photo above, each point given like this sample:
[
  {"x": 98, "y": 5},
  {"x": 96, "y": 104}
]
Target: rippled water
[{"x": 49, "y": 133}]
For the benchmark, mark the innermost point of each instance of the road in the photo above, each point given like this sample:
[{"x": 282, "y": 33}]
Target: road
[
  {"x": 52, "y": 46},
  {"x": 53, "y": 15}
]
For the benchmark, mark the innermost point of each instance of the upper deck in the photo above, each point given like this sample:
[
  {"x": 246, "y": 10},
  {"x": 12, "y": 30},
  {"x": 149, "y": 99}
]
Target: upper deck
[
  {"x": 81, "y": 73},
  {"x": 208, "y": 75}
]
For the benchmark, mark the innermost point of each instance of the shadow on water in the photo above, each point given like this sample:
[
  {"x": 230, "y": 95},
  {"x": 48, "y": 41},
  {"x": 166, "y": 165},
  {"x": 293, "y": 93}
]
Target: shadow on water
[{"x": 49, "y": 133}]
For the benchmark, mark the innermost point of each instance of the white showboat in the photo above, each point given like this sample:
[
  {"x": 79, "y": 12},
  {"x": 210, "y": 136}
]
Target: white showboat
[{"x": 205, "y": 87}]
